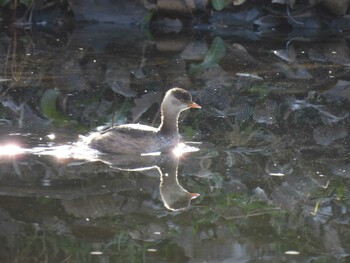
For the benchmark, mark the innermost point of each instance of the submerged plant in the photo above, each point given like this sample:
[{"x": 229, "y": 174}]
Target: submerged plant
[
  {"x": 218, "y": 5},
  {"x": 216, "y": 52}
]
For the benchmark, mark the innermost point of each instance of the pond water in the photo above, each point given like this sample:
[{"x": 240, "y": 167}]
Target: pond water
[{"x": 269, "y": 157}]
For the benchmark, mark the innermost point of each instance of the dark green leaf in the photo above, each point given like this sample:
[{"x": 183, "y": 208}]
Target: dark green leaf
[
  {"x": 218, "y": 5},
  {"x": 49, "y": 108},
  {"x": 216, "y": 52}
]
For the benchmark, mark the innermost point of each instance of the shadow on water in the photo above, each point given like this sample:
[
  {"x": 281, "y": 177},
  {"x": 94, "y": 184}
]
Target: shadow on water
[{"x": 272, "y": 170}]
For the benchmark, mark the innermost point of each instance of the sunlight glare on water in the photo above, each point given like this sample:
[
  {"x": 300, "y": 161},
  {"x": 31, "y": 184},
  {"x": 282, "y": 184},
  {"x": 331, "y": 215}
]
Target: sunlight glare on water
[
  {"x": 10, "y": 150},
  {"x": 76, "y": 151},
  {"x": 182, "y": 148}
]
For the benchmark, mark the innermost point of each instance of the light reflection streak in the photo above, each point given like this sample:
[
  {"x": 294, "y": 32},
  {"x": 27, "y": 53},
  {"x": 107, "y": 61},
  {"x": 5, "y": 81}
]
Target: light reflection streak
[
  {"x": 292, "y": 252},
  {"x": 96, "y": 253},
  {"x": 11, "y": 150},
  {"x": 51, "y": 136},
  {"x": 183, "y": 148},
  {"x": 277, "y": 174},
  {"x": 62, "y": 152},
  {"x": 78, "y": 150}
]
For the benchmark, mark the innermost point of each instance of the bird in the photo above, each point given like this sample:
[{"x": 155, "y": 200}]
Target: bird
[
  {"x": 173, "y": 195},
  {"x": 138, "y": 138}
]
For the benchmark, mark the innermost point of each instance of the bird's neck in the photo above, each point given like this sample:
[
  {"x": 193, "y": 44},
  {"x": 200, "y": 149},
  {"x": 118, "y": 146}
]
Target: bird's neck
[
  {"x": 168, "y": 123},
  {"x": 168, "y": 172}
]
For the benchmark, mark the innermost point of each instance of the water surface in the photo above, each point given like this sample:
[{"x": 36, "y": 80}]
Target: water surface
[{"x": 272, "y": 168}]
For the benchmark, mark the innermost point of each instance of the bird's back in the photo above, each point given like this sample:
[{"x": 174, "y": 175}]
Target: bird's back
[{"x": 129, "y": 139}]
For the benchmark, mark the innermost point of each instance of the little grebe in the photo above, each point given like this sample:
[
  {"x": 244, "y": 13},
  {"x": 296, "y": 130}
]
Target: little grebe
[{"x": 137, "y": 138}]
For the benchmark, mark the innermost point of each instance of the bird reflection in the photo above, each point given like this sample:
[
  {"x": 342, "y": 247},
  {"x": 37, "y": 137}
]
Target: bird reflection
[{"x": 173, "y": 195}]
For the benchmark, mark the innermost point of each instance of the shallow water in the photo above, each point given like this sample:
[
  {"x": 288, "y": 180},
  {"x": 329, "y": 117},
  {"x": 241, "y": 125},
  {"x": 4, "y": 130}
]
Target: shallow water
[{"x": 272, "y": 168}]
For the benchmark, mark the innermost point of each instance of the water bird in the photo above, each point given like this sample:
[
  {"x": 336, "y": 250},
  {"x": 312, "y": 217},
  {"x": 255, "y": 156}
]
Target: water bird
[{"x": 138, "y": 138}]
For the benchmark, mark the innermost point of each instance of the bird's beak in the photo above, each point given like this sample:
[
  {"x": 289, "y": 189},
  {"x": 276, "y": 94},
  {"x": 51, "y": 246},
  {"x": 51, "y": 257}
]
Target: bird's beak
[
  {"x": 194, "y": 195},
  {"x": 194, "y": 105}
]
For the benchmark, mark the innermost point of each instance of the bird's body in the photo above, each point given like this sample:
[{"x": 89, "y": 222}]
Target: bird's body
[
  {"x": 137, "y": 138},
  {"x": 130, "y": 138}
]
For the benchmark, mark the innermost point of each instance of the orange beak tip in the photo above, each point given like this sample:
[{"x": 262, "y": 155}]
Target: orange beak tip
[
  {"x": 194, "y": 195},
  {"x": 194, "y": 105}
]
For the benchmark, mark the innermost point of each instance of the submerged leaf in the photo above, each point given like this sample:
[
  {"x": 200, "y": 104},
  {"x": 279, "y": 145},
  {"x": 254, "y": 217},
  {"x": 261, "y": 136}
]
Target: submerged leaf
[
  {"x": 4, "y": 2},
  {"x": 216, "y": 52},
  {"x": 119, "y": 115},
  {"x": 49, "y": 107},
  {"x": 218, "y": 5},
  {"x": 238, "y": 2},
  {"x": 143, "y": 103},
  {"x": 147, "y": 18}
]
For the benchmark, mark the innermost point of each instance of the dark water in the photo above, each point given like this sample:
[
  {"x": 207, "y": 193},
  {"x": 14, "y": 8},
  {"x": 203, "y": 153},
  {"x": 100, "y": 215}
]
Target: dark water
[{"x": 272, "y": 169}]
